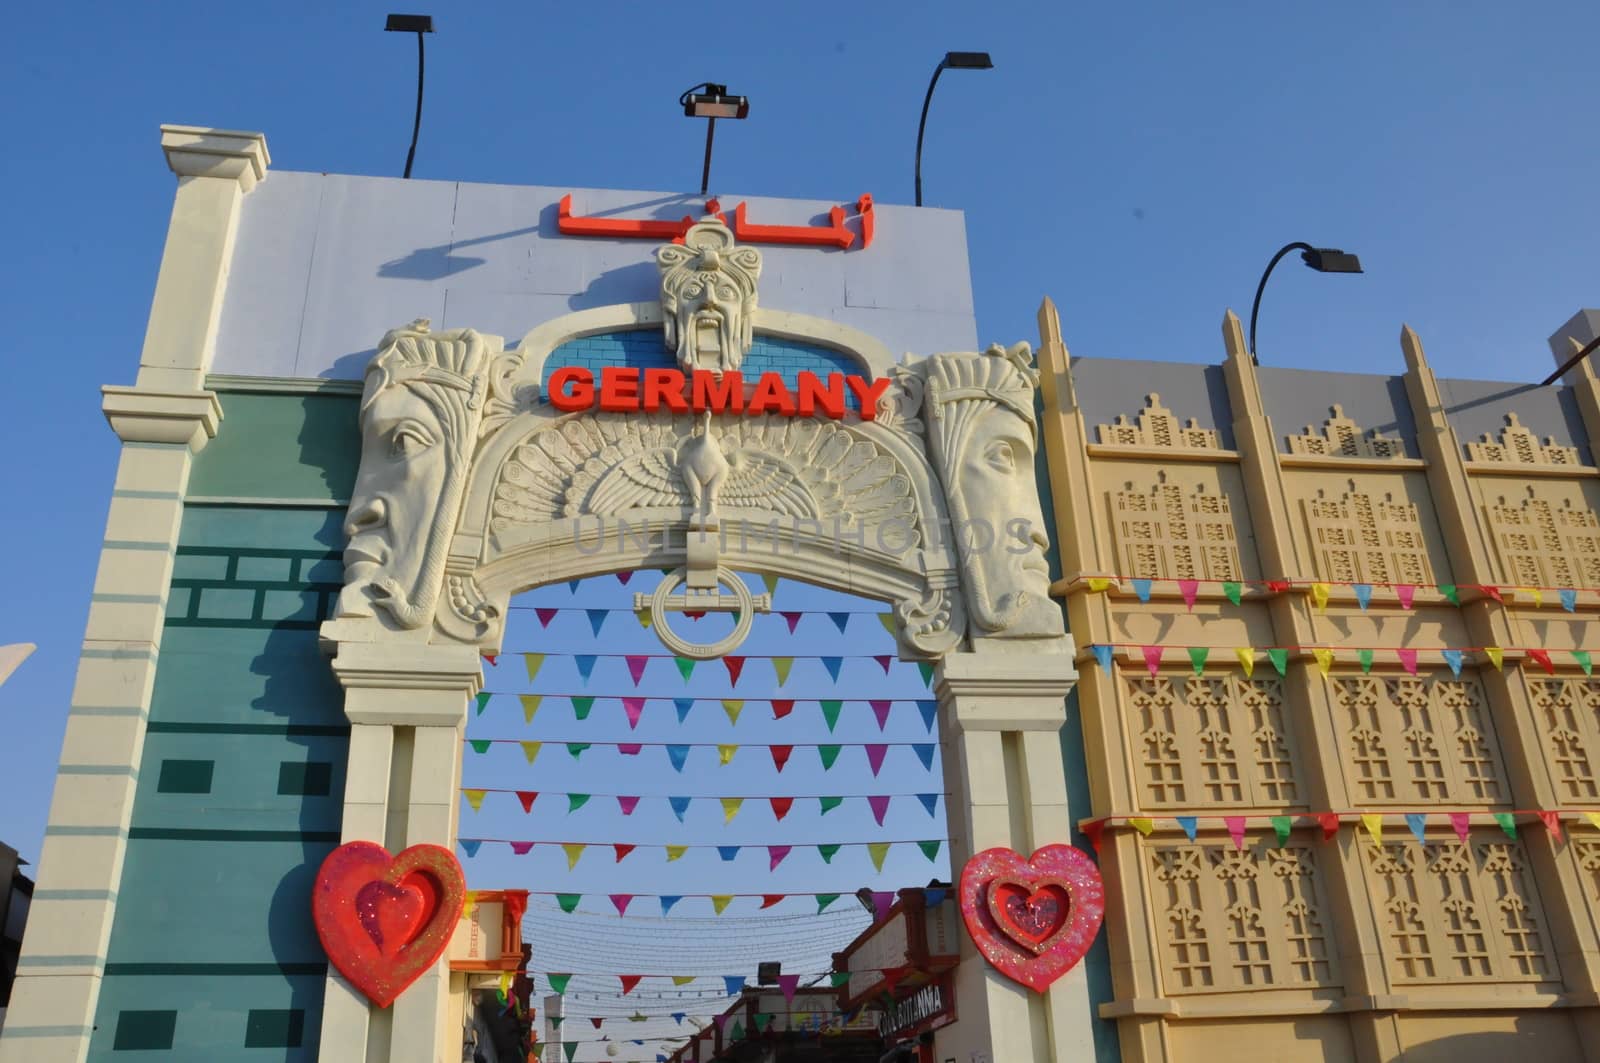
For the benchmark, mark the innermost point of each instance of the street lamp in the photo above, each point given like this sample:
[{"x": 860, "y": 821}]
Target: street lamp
[
  {"x": 1321, "y": 259},
  {"x": 418, "y": 24},
  {"x": 952, "y": 61},
  {"x": 712, "y": 104}
]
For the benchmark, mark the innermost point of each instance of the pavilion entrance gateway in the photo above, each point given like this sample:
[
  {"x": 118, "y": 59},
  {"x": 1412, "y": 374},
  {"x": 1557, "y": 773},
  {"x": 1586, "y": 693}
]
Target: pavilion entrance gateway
[{"x": 472, "y": 488}]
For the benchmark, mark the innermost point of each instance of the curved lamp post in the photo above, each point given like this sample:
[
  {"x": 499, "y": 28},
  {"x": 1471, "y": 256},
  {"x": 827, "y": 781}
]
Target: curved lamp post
[
  {"x": 418, "y": 24},
  {"x": 951, "y": 61},
  {"x": 1321, "y": 259}
]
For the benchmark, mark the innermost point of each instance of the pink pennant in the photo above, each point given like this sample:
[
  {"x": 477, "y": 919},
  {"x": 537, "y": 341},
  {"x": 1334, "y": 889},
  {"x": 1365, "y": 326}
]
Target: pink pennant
[
  {"x": 636, "y": 667},
  {"x": 1408, "y": 658},
  {"x": 791, "y": 619},
  {"x": 627, "y": 803},
  {"x": 623, "y": 849},
  {"x": 775, "y": 855},
  {"x": 1462, "y": 822},
  {"x": 1552, "y": 823},
  {"x": 1406, "y": 593},
  {"x": 721, "y": 1020},
  {"x": 735, "y": 666},
  {"x": 1190, "y": 589},
  {"x": 875, "y": 755},
  {"x": 879, "y": 806},
  {"x": 634, "y": 707},
  {"x": 885, "y": 661},
  {"x": 624, "y": 577},
  {"x": 780, "y": 755},
  {"x": 1152, "y": 658},
  {"x": 545, "y": 616},
  {"x": 1235, "y": 825},
  {"x": 620, "y": 902},
  {"x": 880, "y": 709},
  {"x": 788, "y": 984},
  {"x": 780, "y": 709},
  {"x": 629, "y": 749},
  {"x": 882, "y": 901},
  {"x": 522, "y": 848},
  {"x": 781, "y": 806}
]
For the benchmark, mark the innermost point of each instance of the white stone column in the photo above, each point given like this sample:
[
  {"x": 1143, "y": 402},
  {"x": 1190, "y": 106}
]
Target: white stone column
[
  {"x": 407, "y": 704},
  {"x": 1001, "y": 714},
  {"x": 163, "y": 422}
]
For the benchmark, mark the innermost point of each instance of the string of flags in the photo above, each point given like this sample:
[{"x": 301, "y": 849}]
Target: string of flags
[
  {"x": 597, "y": 616},
  {"x": 1278, "y": 656},
  {"x": 734, "y": 663},
  {"x": 633, "y": 707},
  {"x": 626, "y": 803},
  {"x": 776, "y": 854},
  {"x": 1321, "y": 590},
  {"x": 733, "y": 984},
  {"x": 1372, "y": 821},
  {"x": 882, "y": 900},
  {"x": 678, "y": 754}
]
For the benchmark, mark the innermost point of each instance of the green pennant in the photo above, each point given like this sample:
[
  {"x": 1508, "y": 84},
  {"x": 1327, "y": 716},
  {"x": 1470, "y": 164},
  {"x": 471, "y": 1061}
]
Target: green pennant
[
  {"x": 483, "y": 701},
  {"x": 1508, "y": 823},
  {"x": 929, "y": 849},
  {"x": 769, "y": 581},
  {"x": 825, "y": 899},
  {"x": 576, "y": 801},
  {"x": 558, "y": 982},
  {"x": 1365, "y": 656},
  {"x": 926, "y": 668},
  {"x": 480, "y": 745},
  {"x": 581, "y": 707},
  {"x": 1450, "y": 592},
  {"x": 887, "y": 620},
  {"x": 1280, "y": 826},
  {"x": 762, "y": 1019},
  {"x": 1585, "y": 661},
  {"x": 829, "y": 804},
  {"x": 829, "y": 754},
  {"x": 1234, "y": 591},
  {"x": 737, "y": 1032},
  {"x": 570, "y": 1048},
  {"x": 1280, "y": 660},
  {"x": 576, "y": 748},
  {"x": 569, "y": 904},
  {"x": 1197, "y": 659},
  {"x": 557, "y": 1020},
  {"x": 830, "y": 713},
  {"x": 839, "y": 978},
  {"x": 827, "y": 852}
]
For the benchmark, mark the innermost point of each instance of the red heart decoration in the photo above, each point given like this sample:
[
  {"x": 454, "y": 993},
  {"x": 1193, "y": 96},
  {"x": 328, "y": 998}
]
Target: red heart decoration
[
  {"x": 384, "y": 920},
  {"x": 1032, "y": 919}
]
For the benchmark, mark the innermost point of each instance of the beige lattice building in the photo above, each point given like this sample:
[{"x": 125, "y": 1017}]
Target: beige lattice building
[{"x": 1449, "y": 938}]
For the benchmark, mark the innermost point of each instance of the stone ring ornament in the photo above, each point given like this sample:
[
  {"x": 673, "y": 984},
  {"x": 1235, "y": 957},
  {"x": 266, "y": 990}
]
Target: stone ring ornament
[
  {"x": 1032, "y": 919},
  {"x": 742, "y": 604}
]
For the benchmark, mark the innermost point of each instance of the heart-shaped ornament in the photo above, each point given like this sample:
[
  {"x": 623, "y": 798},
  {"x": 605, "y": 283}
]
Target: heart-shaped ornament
[
  {"x": 383, "y": 919},
  {"x": 1032, "y": 919}
]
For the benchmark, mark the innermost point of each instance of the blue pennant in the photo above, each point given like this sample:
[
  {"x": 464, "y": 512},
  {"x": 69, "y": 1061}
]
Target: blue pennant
[
  {"x": 839, "y": 620},
  {"x": 933, "y": 897},
  {"x": 1417, "y": 821},
  {"x": 1363, "y": 594},
  {"x": 679, "y": 1016},
  {"x": 585, "y": 662},
  {"x": 929, "y": 802},
  {"x": 1188, "y": 823},
  {"x": 832, "y": 664},
  {"x": 469, "y": 846},
  {"x": 572, "y": 585},
  {"x": 680, "y": 805},
  {"x": 597, "y": 618},
  {"x": 677, "y": 754},
  {"x": 1141, "y": 587},
  {"x": 727, "y": 852},
  {"x": 930, "y": 712},
  {"x": 1569, "y": 599},
  {"x": 683, "y": 705},
  {"x": 667, "y": 902},
  {"x": 1103, "y": 655},
  {"x": 734, "y": 982},
  {"x": 1453, "y": 659},
  {"x": 924, "y": 753}
]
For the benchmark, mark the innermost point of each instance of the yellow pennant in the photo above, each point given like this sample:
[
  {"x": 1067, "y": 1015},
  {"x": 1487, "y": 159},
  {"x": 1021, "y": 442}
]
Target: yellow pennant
[
  {"x": 1324, "y": 660},
  {"x": 1593, "y": 818},
  {"x": 675, "y": 851},
  {"x": 644, "y": 617},
  {"x": 720, "y": 901},
  {"x": 1142, "y": 824},
  {"x": 1373, "y": 821},
  {"x": 1319, "y": 596},
  {"x": 533, "y": 661},
  {"x": 878, "y": 850},
  {"x": 530, "y": 749},
  {"x": 730, "y": 808},
  {"x": 682, "y": 979},
  {"x": 1495, "y": 655},
  {"x": 505, "y": 983},
  {"x": 887, "y": 620},
  {"x": 1534, "y": 594},
  {"x": 530, "y": 705},
  {"x": 725, "y": 753},
  {"x": 781, "y": 666},
  {"x": 469, "y": 904},
  {"x": 475, "y": 798},
  {"x": 1099, "y": 584},
  {"x": 573, "y": 850},
  {"x": 1247, "y": 660},
  {"x": 733, "y": 709}
]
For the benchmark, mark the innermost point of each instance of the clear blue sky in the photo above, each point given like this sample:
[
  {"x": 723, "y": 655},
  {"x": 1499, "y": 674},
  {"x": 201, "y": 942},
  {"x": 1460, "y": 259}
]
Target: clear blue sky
[{"x": 1139, "y": 165}]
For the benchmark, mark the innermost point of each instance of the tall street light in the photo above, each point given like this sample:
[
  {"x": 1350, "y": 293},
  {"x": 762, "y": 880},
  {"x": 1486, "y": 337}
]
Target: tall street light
[
  {"x": 1321, "y": 259},
  {"x": 418, "y": 24},
  {"x": 712, "y": 104},
  {"x": 951, "y": 61}
]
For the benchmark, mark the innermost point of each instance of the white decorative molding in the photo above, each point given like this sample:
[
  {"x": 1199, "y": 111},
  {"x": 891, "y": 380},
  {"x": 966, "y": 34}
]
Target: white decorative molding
[
  {"x": 195, "y": 151},
  {"x": 708, "y": 297},
  {"x": 143, "y": 415}
]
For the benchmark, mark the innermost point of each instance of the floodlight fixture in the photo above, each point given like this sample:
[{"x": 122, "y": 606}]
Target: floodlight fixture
[
  {"x": 712, "y": 103},
  {"x": 951, "y": 61},
  {"x": 418, "y": 24},
  {"x": 1321, "y": 259}
]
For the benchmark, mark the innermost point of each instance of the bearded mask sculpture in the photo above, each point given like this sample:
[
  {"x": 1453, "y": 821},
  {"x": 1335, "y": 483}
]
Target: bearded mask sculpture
[
  {"x": 708, "y": 297},
  {"x": 420, "y": 410},
  {"x": 982, "y": 435}
]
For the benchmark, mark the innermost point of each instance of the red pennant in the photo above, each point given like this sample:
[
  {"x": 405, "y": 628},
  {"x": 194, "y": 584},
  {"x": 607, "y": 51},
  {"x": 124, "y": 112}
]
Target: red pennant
[
  {"x": 1543, "y": 657},
  {"x": 780, "y": 709},
  {"x": 1277, "y": 586},
  {"x": 769, "y": 899},
  {"x": 620, "y": 902},
  {"x": 522, "y": 848},
  {"x": 886, "y": 661},
  {"x": 781, "y": 806},
  {"x": 622, "y": 850},
  {"x": 628, "y": 982},
  {"x": 526, "y": 797},
  {"x": 492, "y": 658},
  {"x": 1462, "y": 822},
  {"x": 1092, "y": 830},
  {"x": 891, "y": 978},
  {"x": 735, "y": 666},
  {"x": 1329, "y": 822},
  {"x": 1492, "y": 592},
  {"x": 880, "y": 709},
  {"x": 694, "y": 614},
  {"x": 791, "y": 619},
  {"x": 780, "y": 755},
  {"x": 597, "y": 1022},
  {"x": 624, "y": 577},
  {"x": 545, "y": 616},
  {"x": 1552, "y": 823}
]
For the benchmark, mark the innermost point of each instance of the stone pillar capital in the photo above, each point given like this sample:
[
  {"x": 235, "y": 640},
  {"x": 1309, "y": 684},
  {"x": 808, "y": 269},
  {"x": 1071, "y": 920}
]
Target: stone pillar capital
[
  {"x": 145, "y": 415},
  {"x": 988, "y": 691},
  {"x": 433, "y": 683},
  {"x": 195, "y": 151}
]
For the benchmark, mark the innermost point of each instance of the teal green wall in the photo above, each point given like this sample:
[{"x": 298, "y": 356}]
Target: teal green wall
[{"x": 213, "y": 956}]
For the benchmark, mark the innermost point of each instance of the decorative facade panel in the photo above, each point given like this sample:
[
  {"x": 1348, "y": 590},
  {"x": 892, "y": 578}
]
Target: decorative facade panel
[
  {"x": 1567, "y": 712},
  {"x": 1545, "y": 545},
  {"x": 1342, "y": 438},
  {"x": 1358, "y": 539},
  {"x": 1157, "y": 427},
  {"x": 1413, "y": 741},
  {"x": 1519, "y": 446},
  {"x": 1240, "y": 919},
  {"x": 1165, "y": 534},
  {"x": 1453, "y": 911}
]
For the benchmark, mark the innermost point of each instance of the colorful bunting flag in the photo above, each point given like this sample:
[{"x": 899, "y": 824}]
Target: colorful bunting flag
[
  {"x": 1143, "y": 824},
  {"x": 574, "y": 850},
  {"x": 833, "y": 664},
  {"x": 926, "y": 669},
  {"x": 1508, "y": 824},
  {"x": 1461, "y": 823},
  {"x": 885, "y": 661},
  {"x": 545, "y": 616},
  {"x": 530, "y": 705},
  {"x": 1280, "y": 827},
  {"x": 839, "y": 620},
  {"x": 780, "y": 806},
  {"x": 1319, "y": 596},
  {"x": 636, "y": 666},
  {"x": 667, "y": 901},
  {"x": 1329, "y": 822},
  {"x": 829, "y": 804},
  {"x": 677, "y": 755},
  {"x": 880, "y": 709},
  {"x": 772, "y": 900},
  {"x": 1552, "y": 823},
  {"x": 527, "y": 797},
  {"x": 1141, "y": 587},
  {"x": 791, "y": 619},
  {"x": 581, "y": 707},
  {"x": 475, "y": 798},
  {"x": 1324, "y": 660},
  {"x": 780, "y": 755},
  {"x": 531, "y": 749},
  {"x": 470, "y": 846},
  {"x": 576, "y": 801},
  {"x": 770, "y": 582},
  {"x": 683, "y": 705},
  {"x": 875, "y": 755},
  {"x": 1190, "y": 825},
  {"x": 775, "y": 855},
  {"x": 597, "y": 619},
  {"x": 1417, "y": 822},
  {"x": 558, "y": 983},
  {"x": 929, "y": 802},
  {"x": 1496, "y": 656},
  {"x": 725, "y": 753},
  {"x": 1280, "y": 660},
  {"x": 674, "y": 852},
  {"x": 1247, "y": 660},
  {"x": 532, "y": 661},
  {"x": 628, "y": 982},
  {"x": 1406, "y": 592},
  {"x": 734, "y": 983},
  {"x": 1569, "y": 599},
  {"x": 1190, "y": 589},
  {"x": 585, "y": 663},
  {"x": 730, "y": 808},
  {"x": 1363, "y": 595},
  {"x": 733, "y": 709},
  {"x": 1408, "y": 660},
  {"x": 1492, "y": 592},
  {"x": 1235, "y": 825},
  {"x": 1099, "y": 584},
  {"x": 633, "y": 708},
  {"x": 930, "y": 712},
  {"x": 1365, "y": 657},
  {"x": 735, "y": 667},
  {"x": 1585, "y": 661},
  {"x": 887, "y": 620},
  {"x": 879, "y": 806},
  {"x": 1152, "y": 658},
  {"x": 577, "y": 748},
  {"x": 629, "y": 749},
  {"x": 685, "y": 667},
  {"x": 1102, "y": 654},
  {"x": 1593, "y": 818},
  {"x": 729, "y": 853},
  {"x": 825, "y": 899},
  {"x": 1453, "y": 659},
  {"x": 480, "y": 746},
  {"x": 1373, "y": 821},
  {"x": 827, "y": 852},
  {"x": 1543, "y": 659},
  {"x": 620, "y": 902},
  {"x": 622, "y": 849},
  {"x": 882, "y": 901},
  {"x": 1197, "y": 659},
  {"x": 1234, "y": 591},
  {"x": 643, "y": 616},
  {"x": 780, "y": 668},
  {"x": 829, "y": 754},
  {"x": 830, "y": 713},
  {"x": 483, "y": 701},
  {"x": 924, "y": 752}
]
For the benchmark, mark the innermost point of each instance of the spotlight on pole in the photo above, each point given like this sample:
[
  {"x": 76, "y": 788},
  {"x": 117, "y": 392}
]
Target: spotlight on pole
[{"x": 711, "y": 104}]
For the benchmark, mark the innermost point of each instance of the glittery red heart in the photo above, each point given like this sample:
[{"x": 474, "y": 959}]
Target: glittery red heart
[
  {"x": 1033, "y": 919},
  {"x": 385, "y": 920}
]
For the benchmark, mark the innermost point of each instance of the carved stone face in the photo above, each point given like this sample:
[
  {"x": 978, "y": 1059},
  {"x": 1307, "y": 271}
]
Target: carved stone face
[{"x": 708, "y": 297}]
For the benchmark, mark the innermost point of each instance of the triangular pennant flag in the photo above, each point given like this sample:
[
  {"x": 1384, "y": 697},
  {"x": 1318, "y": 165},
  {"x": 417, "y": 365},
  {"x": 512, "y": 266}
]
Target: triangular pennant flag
[
  {"x": 685, "y": 667},
  {"x": 1408, "y": 660},
  {"x": 1543, "y": 659},
  {"x": 629, "y": 749},
  {"x": 545, "y": 616},
  {"x": 581, "y": 707},
  {"x": 827, "y": 852},
  {"x": 720, "y": 902},
  {"x": 1324, "y": 660},
  {"x": 573, "y": 850},
  {"x": 1099, "y": 584},
  {"x": 829, "y": 804},
  {"x": 1235, "y": 825},
  {"x": 829, "y": 754},
  {"x": 577, "y": 748},
  {"x": 780, "y": 806},
  {"x": 568, "y": 901},
  {"x": 1141, "y": 587},
  {"x": 772, "y": 900},
  {"x": 1492, "y": 592},
  {"x": 558, "y": 983},
  {"x": 737, "y": 1032},
  {"x": 667, "y": 901},
  {"x": 585, "y": 663},
  {"x": 1593, "y": 818},
  {"x": 880, "y": 709},
  {"x": 633, "y": 708},
  {"x": 729, "y": 853},
  {"x": 475, "y": 798},
  {"x": 624, "y": 576},
  {"x": 770, "y": 581},
  {"x": 623, "y": 849},
  {"x": 678, "y": 1017},
  {"x": 643, "y": 616},
  {"x": 1189, "y": 824},
  {"x": 1280, "y": 660},
  {"x": 730, "y": 808},
  {"x": 885, "y": 661},
  {"x": 483, "y": 701},
  {"x": 887, "y": 620},
  {"x": 1143, "y": 824},
  {"x": 1319, "y": 596},
  {"x": 1417, "y": 823},
  {"x": 1451, "y": 594},
  {"x": 1277, "y": 586},
  {"x": 1406, "y": 592},
  {"x": 880, "y": 807},
  {"x": 530, "y": 705},
  {"x": 825, "y": 899},
  {"x": 1365, "y": 657},
  {"x": 1234, "y": 591},
  {"x": 725, "y": 753},
  {"x": 533, "y": 661},
  {"x": 1373, "y": 821},
  {"x": 792, "y": 619},
  {"x": 1552, "y": 823},
  {"x": 1585, "y": 661},
  {"x": 1197, "y": 659},
  {"x": 788, "y": 984},
  {"x": 677, "y": 755},
  {"x": 679, "y": 806},
  {"x": 527, "y": 797},
  {"x": 924, "y": 752},
  {"x": 735, "y": 667},
  {"x": 929, "y": 802},
  {"x": 572, "y": 585},
  {"x": 1190, "y": 589},
  {"x": 480, "y": 746},
  {"x": 780, "y": 755},
  {"x": 1093, "y": 830},
  {"x": 1508, "y": 823},
  {"x": 636, "y": 666},
  {"x": 734, "y": 983},
  {"x": 833, "y": 664},
  {"x": 1534, "y": 593},
  {"x": 1363, "y": 594},
  {"x": 733, "y": 709},
  {"x": 722, "y": 1020},
  {"x": 1280, "y": 827},
  {"x": 1247, "y": 660},
  {"x": 674, "y": 852},
  {"x": 780, "y": 668},
  {"x": 839, "y": 620},
  {"x": 470, "y": 846},
  {"x": 1329, "y": 822},
  {"x": 683, "y": 705},
  {"x": 930, "y": 849},
  {"x": 1453, "y": 659},
  {"x": 628, "y": 982},
  {"x": 597, "y": 1021},
  {"x": 1461, "y": 822},
  {"x": 1102, "y": 655},
  {"x": 576, "y": 801},
  {"x": 597, "y": 618},
  {"x": 882, "y": 901},
  {"x": 620, "y": 902},
  {"x": 875, "y": 755},
  {"x": 1569, "y": 599},
  {"x": 775, "y": 855},
  {"x": 1496, "y": 656},
  {"x": 530, "y": 749},
  {"x": 926, "y": 669},
  {"x": 782, "y": 708},
  {"x": 1152, "y": 658},
  {"x": 830, "y": 713},
  {"x": 930, "y": 712}
]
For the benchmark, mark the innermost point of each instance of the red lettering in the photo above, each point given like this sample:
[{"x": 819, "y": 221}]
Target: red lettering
[
  {"x": 571, "y": 388},
  {"x": 724, "y": 396},
  {"x": 619, "y": 388},
  {"x": 770, "y": 396},
  {"x": 664, "y": 385},
  {"x": 813, "y": 393},
  {"x": 868, "y": 393}
]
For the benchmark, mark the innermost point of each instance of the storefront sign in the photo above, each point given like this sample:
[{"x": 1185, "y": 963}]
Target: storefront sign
[
  {"x": 928, "y": 1008},
  {"x": 627, "y": 389},
  {"x": 834, "y": 234}
]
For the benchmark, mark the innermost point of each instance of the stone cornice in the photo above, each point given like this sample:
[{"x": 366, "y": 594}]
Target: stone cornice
[
  {"x": 195, "y": 151},
  {"x": 143, "y": 415},
  {"x": 1006, "y": 691},
  {"x": 407, "y": 684}
]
